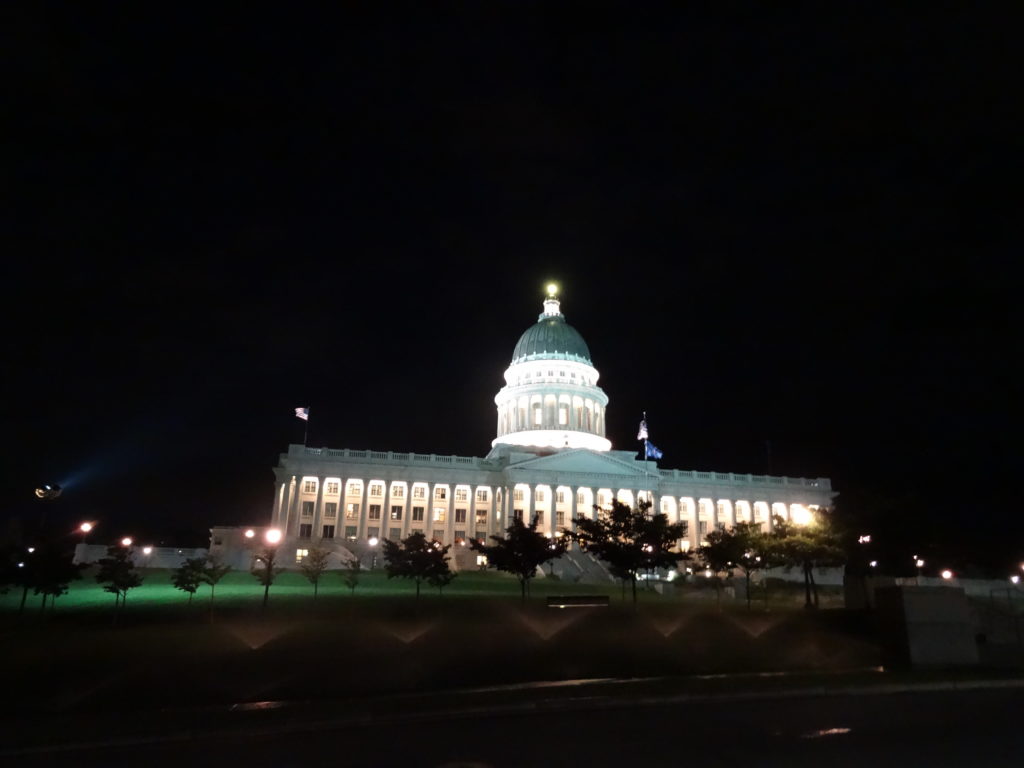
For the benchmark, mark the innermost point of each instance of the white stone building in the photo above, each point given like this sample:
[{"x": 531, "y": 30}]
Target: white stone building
[{"x": 550, "y": 459}]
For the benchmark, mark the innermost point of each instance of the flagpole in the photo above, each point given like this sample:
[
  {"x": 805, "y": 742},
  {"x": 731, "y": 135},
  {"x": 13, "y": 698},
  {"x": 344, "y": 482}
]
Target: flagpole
[{"x": 305, "y": 430}]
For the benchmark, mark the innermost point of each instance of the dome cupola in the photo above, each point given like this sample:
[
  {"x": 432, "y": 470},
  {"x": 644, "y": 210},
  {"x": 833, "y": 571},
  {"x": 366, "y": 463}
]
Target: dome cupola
[{"x": 551, "y": 398}]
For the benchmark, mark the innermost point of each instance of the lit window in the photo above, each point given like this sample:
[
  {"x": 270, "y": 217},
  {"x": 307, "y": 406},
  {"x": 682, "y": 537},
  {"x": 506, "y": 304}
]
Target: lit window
[
  {"x": 398, "y": 492},
  {"x": 307, "y": 509},
  {"x": 481, "y": 517},
  {"x": 301, "y": 553},
  {"x": 350, "y": 532},
  {"x": 481, "y": 495},
  {"x": 440, "y": 493},
  {"x": 560, "y": 517},
  {"x": 331, "y": 509},
  {"x": 309, "y": 486},
  {"x": 417, "y": 514},
  {"x": 439, "y": 514},
  {"x": 460, "y": 536},
  {"x": 355, "y": 489},
  {"x": 461, "y": 494},
  {"x": 419, "y": 492},
  {"x": 351, "y": 511},
  {"x": 540, "y": 495},
  {"x": 376, "y": 489},
  {"x": 517, "y": 494},
  {"x": 396, "y": 512},
  {"x": 332, "y": 487},
  {"x": 581, "y": 498},
  {"x": 375, "y": 511},
  {"x": 561, "y": 497},
  {"x": 460, "y": 515}
]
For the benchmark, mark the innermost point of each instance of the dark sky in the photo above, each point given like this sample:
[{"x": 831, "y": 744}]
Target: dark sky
[{"x": 769, "y": 224}]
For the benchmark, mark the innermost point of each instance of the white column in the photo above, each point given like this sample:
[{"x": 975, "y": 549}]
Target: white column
[
  {"x": 533, "y": 505},
  {"x": 363, "y": 511},
  {"x": 318, "y": 509},
  {"x": 407, "y": 510},
  {"x": 293, "y": 509}
]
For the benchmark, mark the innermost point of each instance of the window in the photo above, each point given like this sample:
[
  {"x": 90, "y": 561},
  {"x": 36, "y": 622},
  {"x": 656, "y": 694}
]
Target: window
[
  {"x": 396, "y": 512},
  {"x": 481, "y": 496},
  {"x": 372, "y": 532},
  {"x": 331, "y": 509},
  {"x": 440, "y": 493},
  {"x": 581, "y": 498},
  {"x": 328, "y": 532},
  {"x": 398, "y": 492},
  {"x": 332, "y": 487},
  {"x": 460, "y": 536},
  {"x": 517, "y": 494},
  {"x": 309, "y": 486},
  {"x": 351, "y": 511},
  {"x": 702, "y": 527},
  {"x": 460, "y": 516},
  {"x": 686, "y": 527},
  {"x": 517, "y": 514},
  {"x": 305, "y": 530},
  {"x": 561, "y": 497},
  {"x": 307, "y": 509},
  {"x": 439, "y": 513},
  {"x": 563, "y": 415},
  {"x": 481, "y": 517},
  {"x": 394, "y": 534},
  {"x": 461, "y": 494},
  {"x": 540, "y": 495},
  {"x": 355, "y": 488},
  {"x": 417, "y": 514},
  {"x": 438, "y": 534},
  {"x": 375, "y": 511},
  {"x": 560, "y": 517},
  {"x": 350, "y": 532},
  {"x": 419, "y": 492},
  {"x": 376, "y": 489},
  {"x": 301, "y": 553}
]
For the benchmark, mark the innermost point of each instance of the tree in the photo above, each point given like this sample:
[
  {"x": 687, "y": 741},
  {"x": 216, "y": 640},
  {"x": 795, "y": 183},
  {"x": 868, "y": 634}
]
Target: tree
[
  {"x": 631, "y": 540},
  {"x": 52, "y": 573},
  {"x": 521, "y": 551},
  {"x": 351, "y": 574},
  {"x": 211, "y": 573},
  {"x": 313, "y": 566},
  {"x": 817, "y": 544},
  {"x": 117, "y": 574},
  {"x": 188, "y": 576},
  {"x": 265, "y": 570},
  {"x": 441, "y": 578},
  {"x": 416, "y": 558},
  {"x": 744, "y": 546}
]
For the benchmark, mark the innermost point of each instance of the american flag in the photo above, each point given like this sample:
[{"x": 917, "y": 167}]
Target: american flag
[
  {"x": 302, "y": 413},
  {"x": 642, "y": 434}
]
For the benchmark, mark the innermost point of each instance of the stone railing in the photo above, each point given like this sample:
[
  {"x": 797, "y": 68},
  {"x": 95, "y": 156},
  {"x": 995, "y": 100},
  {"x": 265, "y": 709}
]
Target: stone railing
[
  {"x": 390, "y": 457},
  {"x": 734, "y": 478}
]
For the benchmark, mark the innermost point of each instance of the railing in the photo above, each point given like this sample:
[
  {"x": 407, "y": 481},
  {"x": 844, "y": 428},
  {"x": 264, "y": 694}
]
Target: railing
[{"x": 732, "y": 478}]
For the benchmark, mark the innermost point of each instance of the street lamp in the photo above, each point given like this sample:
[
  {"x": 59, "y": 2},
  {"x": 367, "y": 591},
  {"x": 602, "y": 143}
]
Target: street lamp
[
  {"x": 920, "y": 564},
  {"x": 947, "y": 574},
  {"x": 273, "y": 536},
  {"x": 1014, "y": 579},
  {"x": 250, "y": 533},
  {"x": 373, "y": 541},
  {"x": 126, "y": 541}
]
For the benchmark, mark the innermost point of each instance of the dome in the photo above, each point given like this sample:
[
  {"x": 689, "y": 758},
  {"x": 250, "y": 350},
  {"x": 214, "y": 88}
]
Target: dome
[{"x": 551, "y": 338}]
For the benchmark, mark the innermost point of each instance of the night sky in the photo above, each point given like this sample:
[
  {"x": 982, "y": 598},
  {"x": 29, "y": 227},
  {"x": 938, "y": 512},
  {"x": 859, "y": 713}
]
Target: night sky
[{"x": 769, "y": 225}]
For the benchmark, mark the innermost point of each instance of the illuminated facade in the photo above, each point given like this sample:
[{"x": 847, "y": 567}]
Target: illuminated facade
[{"x": 550, "y": 459}]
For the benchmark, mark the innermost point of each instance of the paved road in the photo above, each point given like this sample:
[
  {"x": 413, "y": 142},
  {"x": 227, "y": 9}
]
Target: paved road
[{"x": 929, "y": 728}]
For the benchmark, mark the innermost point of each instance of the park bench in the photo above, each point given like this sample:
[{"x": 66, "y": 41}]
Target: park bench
[{"x": 578, "y": 601}]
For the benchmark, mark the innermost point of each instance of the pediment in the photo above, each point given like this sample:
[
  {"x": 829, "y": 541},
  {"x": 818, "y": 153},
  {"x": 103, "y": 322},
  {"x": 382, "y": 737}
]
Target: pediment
[{"x": 583, "y": 462}]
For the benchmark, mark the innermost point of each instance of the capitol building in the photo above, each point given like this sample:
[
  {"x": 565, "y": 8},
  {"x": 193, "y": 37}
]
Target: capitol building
[{"x": 550, "y": 459}]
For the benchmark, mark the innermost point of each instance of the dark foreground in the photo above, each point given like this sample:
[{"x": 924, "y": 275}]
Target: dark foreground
[{"x": 622, "y": 724}]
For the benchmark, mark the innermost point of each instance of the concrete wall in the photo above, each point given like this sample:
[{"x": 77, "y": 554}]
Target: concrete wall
[{"x": 159, "y": 557}]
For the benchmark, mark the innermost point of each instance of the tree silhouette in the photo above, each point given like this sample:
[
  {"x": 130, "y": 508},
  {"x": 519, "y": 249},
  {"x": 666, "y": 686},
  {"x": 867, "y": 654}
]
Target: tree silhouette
[
  {"x": 188, "y": 576},
  {"x": 52, "y": 573},
  {"x": 416, "y": 558},
  {"x": 743, "y": 546},
  {"x": 814, "y": 545},
  {"x": 118, "y": 575},
  {"x": 265, "y": 570},
  {"x": 351, "y": 574},
  {"x": 521, "y": 551},
  {"x": 631, "y": 540},
  {"x": 211, "y": 574},
  {"x": 313, "y": 566}
]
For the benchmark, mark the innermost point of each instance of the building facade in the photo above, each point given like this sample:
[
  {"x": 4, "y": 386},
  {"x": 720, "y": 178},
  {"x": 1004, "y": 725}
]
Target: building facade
[{"x": 550, "y": 460}]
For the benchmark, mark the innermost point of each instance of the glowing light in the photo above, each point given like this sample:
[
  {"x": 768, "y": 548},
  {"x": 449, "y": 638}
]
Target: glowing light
[
  {"x": 873, "y": 563},
  {"x": 22, "y": 565},
  {"x": 273, "y": 536},
  {"x": 85, "y": 527},
  {"x": 919, "y": 563},
  {"x": 126, "y": 541},
  {"x": 31, "y": 550},
  {"x": 250, "y": 533},
  {"x": 552, "y": 289},
  {"x": 801, "y": 515},
  {"x": 865, "y": 539},
  {"x": 147, "y": 550},
  {"x": 947, "y": 574},
  {"x": 1013, "y": 579},
  {"x": 373, "y": 541}
]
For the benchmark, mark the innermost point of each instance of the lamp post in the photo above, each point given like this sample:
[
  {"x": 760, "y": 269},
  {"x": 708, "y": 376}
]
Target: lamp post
[
  {"x": 919, "y": 563},
  {"x": 273, "y": 538},
  {"x": 373, "y": 541}
]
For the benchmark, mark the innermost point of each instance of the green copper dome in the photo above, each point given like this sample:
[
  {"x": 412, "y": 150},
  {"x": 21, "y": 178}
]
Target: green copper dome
[{"x": 551, "y": 338}]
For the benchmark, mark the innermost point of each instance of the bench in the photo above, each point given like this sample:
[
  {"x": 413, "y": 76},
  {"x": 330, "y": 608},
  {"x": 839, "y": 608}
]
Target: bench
[{"x": 578, "y": 601}]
